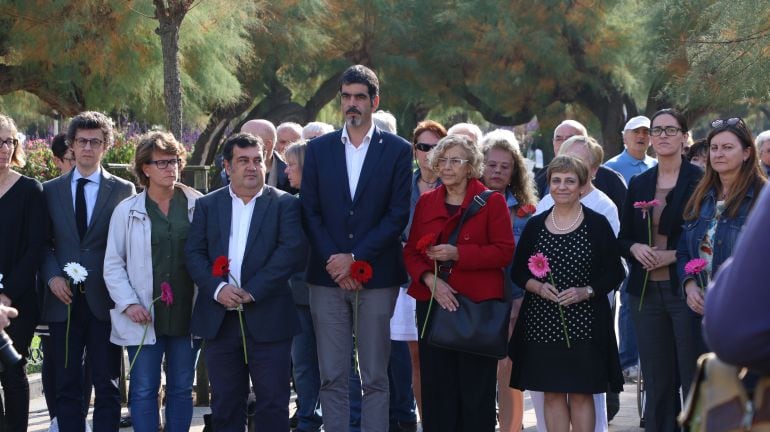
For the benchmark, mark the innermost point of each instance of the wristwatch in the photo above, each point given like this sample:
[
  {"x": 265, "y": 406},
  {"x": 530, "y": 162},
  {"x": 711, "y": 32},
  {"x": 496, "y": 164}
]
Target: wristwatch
[{"x": 590, "y": 291}]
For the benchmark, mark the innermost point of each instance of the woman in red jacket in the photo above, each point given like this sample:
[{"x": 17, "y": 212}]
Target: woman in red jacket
[{"x": 458, "y": 388}]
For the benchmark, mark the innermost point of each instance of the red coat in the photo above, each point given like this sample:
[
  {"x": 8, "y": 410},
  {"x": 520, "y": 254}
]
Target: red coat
[{"x": 485, "y": 244}]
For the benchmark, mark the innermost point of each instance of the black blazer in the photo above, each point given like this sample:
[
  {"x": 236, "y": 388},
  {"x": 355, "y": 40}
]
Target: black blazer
[{"x": 633, "y": 229}]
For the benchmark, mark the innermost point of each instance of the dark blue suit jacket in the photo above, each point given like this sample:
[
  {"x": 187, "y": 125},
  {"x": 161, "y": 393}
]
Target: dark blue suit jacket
[
  {"x": 275, "y": 249},
  {"x": 370, "y": 224}
]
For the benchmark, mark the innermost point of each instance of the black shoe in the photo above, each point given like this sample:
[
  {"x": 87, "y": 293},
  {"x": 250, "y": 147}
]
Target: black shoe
[
  {"x": 126, "y": 421},
  {"x": 613, "y": 405}
]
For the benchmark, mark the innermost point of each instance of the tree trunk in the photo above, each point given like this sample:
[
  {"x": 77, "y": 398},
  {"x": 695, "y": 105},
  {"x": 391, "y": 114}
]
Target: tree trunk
[{"x": 169, "y": 21}]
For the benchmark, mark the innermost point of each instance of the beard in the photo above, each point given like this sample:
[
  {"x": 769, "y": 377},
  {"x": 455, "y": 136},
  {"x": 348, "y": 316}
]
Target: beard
[{"x": 354, "y": 121}]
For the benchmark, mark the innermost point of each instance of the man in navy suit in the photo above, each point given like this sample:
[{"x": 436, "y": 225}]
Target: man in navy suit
[
  {"x": 355, "y": 201},
  {"x": 258, "y": 228}
]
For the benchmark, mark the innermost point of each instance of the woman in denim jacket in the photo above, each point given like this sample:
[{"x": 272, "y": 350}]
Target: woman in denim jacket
[
  {"x": 505, "y": 172},
  {"x": 717, "y": 210}
]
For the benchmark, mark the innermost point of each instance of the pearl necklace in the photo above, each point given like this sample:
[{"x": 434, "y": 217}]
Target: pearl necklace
[{"x": 572, "y": 225}]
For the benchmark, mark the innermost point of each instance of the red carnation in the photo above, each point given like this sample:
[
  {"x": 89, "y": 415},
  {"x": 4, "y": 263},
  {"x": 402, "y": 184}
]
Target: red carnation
[
  {"x": 525, "y": 210},
  {"x": 221, "y": 267},
  {"x": 426, "y": 241},
  {"x": 361, "y": 271}
]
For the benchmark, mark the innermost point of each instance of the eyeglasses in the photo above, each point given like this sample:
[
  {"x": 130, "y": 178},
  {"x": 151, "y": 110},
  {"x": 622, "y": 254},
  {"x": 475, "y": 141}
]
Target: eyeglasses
[
  {"x": 668, "y": 130},
  {"x": 453, "y": 162},
  {"x": 10, "y": 142},
  {"x": 720, "y": 123},
  {"x": 83, "y": 142},
  {"x": 424, "y": 147},
  {"x": 164, "y": 163}
]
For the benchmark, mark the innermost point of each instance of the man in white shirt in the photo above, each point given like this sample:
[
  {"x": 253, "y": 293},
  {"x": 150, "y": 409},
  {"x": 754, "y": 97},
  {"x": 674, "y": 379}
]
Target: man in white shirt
[{"x": 247, "y": 314}]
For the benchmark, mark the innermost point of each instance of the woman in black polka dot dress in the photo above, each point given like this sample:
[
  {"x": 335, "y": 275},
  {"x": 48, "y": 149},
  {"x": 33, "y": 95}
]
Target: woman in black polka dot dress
[{"x": 585, "y": 265}]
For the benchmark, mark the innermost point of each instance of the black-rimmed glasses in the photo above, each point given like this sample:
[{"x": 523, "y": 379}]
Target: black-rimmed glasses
[
  {"x": 424, "y": 147},
  {"x": 10, "y": 142},
  {"x": 164, "y": 163},
  {"x": 668, "y": 130},
  {"x": 83, "y": 142}
]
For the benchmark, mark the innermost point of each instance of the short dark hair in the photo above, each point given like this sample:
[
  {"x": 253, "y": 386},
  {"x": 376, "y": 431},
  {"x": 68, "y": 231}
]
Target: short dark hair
[
  {"x": 165, "y": 143},
  {"x": 91, "y": 120},
  {"x": 360, "y": 74},
  {"x": 59, "y": 145},
  {"x": 680, "y": 118},
  {"x": 699, "y": 148},
  {"x": 242, "y": 140}
]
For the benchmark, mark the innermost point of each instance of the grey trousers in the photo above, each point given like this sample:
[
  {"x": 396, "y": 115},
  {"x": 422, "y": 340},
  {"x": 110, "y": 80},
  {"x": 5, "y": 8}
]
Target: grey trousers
[{"x": 333, "y": 309}]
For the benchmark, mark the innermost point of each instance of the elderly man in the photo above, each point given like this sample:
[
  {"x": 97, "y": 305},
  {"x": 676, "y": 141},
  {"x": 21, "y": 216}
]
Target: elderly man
[
  {"x": 316, "y": 129},
  {"x": 763, "y": 148},
  {"x": 469, "y": 130},
  {"x": 606, "y": 180},
  {"x": 633, "y": 159},
  {"x": 288, "y": 132},
  {"x": 355, "y": 201},
  {"x": 275, "y": 174}
]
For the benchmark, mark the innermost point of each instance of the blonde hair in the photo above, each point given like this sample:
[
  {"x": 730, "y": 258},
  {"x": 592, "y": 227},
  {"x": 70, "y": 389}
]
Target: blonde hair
[
  {"x": 472, "y": 152},
  {"x": 521, "y": 186},
  {"x": 17, "y": 158}
]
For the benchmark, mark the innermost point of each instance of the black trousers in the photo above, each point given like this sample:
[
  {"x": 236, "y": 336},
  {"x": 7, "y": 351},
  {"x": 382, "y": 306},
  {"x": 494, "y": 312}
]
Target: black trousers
[
  {"x": 15, "y": 407},
  {"x": 458, "y": 389}
]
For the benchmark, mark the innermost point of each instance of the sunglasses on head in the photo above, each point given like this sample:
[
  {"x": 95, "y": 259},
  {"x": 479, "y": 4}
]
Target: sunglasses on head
[
  {"x": 424, "y": 147},
  {"x": 722, "y": 123}
]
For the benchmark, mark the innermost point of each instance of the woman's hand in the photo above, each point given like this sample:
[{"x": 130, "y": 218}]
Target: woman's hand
[
  {"x": 664, "y": 258},
  {"x": 138, "y": 314},
  {"x": 443, "y": 252},
  {"x": 646, "y": 255},
  {"x": 5, "y": 300},
  {"x": 548, "y": 292},
  {"x": 573, "y": 295},
  {"x": 694, "y": 297},
  {"x": 444, "y": 294}
]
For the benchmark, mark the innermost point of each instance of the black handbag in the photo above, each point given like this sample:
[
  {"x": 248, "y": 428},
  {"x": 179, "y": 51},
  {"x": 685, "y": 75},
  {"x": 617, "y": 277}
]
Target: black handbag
[{"x": 475, "y": 328}]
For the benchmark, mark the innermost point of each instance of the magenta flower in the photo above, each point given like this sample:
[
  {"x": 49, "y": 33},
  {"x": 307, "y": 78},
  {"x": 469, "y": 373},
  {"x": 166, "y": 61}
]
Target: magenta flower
[
  {"x": 166, "y": 295},
  {"x": 695, "y": 266},
  {"x": 645, "y": 206},
  {"x": 538, "y": 265}
]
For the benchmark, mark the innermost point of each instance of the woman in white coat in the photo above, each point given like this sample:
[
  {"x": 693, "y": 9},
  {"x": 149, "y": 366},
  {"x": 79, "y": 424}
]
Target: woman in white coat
[{"x": 145, "y": 254}]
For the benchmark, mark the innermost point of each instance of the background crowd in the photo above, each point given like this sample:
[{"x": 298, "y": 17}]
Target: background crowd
[{"x": 310, "y": 265}]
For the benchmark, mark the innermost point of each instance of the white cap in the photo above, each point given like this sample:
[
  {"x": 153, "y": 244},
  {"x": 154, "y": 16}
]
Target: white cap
[{"x": 637, "y": 122}]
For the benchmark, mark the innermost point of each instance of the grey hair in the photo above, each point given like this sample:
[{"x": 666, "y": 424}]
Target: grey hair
[
  {"x": 472, "y": 152},
  {"x": 385, "y": 121},
  {"x": 314, "y": 129}
]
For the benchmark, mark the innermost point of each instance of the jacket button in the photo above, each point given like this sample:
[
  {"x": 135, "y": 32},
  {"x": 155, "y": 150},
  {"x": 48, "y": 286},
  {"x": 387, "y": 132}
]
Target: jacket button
[
  {"x": 350, "y": 235},
  {"x": 351, "y": 212}
]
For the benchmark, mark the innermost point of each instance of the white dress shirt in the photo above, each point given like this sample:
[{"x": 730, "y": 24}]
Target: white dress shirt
[
  {"x": 354, "y": 157},
  {"x": 91, "y": 190},
  {"x": 239, "y": 233}
]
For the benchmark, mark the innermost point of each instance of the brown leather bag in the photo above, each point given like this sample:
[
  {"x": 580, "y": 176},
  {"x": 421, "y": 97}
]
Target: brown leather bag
[{"x": 718, "y": 401}]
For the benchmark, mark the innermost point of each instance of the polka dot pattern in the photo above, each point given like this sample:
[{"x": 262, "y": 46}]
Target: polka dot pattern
[{"x": 569, "y": 256}]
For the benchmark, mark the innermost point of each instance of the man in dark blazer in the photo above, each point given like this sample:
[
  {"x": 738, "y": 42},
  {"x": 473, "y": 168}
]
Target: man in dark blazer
[
  {"x": 275, "y": 167},
  {"x": 258, "y": 228},
  {"x": 356, "y": 187},
  {"x": 80, "y": 205}
]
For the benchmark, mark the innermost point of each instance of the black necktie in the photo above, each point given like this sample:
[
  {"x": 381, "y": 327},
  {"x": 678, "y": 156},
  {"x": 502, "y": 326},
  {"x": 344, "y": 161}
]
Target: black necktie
[{"x": 81, "y": 214}]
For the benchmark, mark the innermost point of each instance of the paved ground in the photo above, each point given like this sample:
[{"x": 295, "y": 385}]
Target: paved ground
[{"x": 627, "y": 419}]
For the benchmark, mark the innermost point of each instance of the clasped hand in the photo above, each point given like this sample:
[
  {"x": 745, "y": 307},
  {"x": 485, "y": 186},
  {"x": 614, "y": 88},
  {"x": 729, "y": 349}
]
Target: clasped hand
[
  {"x": 338, "y": 267},
  {"x": 567, "y": 297},
  {"x": 650, "y": 257},
  {"x": 231, "y": 296}
]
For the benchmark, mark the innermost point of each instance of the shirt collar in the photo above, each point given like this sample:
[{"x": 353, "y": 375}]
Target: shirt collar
[
  {"x": 95, "y": 177},
  {"x": 367, "y": 138},
  {"x": 237, "y": 198},
  {"x": 510, "y": 200},
  {"x": 626, "y": 156}
]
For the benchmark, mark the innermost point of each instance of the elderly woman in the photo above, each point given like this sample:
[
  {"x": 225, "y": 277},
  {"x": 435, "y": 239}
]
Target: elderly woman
[
  {"x": 458, "y": 388},
  {"x": 505, "y": 172},
  {"x": 145, "y": 250},
  {"x": 666, "y": 330},
  {"x": 564, "y": 344},
  {"x": 22, "y": 228},
  {"x": 715, "y": 213}
]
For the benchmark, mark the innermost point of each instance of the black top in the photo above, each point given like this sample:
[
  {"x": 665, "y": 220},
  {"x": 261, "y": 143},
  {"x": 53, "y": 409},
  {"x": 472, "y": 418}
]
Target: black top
[
  {"x": 23, "y": 223},
  {"x": 607, "y": 180},
  {"x": 633, "y": 229}
]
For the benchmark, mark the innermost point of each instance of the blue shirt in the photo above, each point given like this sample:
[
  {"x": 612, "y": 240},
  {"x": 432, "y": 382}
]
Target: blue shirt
[
  {"x": 629, "y": 166},
  {"x": 518, "y": 224}
]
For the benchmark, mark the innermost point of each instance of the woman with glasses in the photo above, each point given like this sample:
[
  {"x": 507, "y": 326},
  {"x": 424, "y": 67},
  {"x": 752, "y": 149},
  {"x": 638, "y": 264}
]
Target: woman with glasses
[
  {"x": 505, "y": 172},
  {"x": 23, "y": 221},
  {"x": 715, "y": 213},
  {"x": 458, "y": 388},
  {"x": 145, "y": 251},
  {"x": 666, "y": 330}
]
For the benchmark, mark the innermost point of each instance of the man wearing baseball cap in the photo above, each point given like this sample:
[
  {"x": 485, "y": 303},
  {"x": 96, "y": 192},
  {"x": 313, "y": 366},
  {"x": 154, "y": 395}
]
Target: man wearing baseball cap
[{"x": 633, "y": 159}]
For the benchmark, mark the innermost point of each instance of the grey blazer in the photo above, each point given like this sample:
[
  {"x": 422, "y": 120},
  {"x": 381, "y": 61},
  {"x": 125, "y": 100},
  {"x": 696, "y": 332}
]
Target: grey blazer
[{"x": 64, "y": 244}]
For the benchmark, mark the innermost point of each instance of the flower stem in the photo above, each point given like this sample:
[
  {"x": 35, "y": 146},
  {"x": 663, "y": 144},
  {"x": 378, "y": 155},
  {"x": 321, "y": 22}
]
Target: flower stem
[
  {"x": 355, "y": 335},
  {"x": 432, "y": 295},
  {"x": 561, "y": 313},
  {"x": 243, "y": 334},
  {"x": 144, "y": 335},
  {"x": 647, "y": 273},
  {"x": 67, "y": 336}
]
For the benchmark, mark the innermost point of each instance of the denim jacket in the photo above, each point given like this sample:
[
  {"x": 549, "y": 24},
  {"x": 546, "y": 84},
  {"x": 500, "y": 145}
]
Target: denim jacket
[
  {"x": 518, "y": 224},
  {"x": 725, "y": 237}
]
